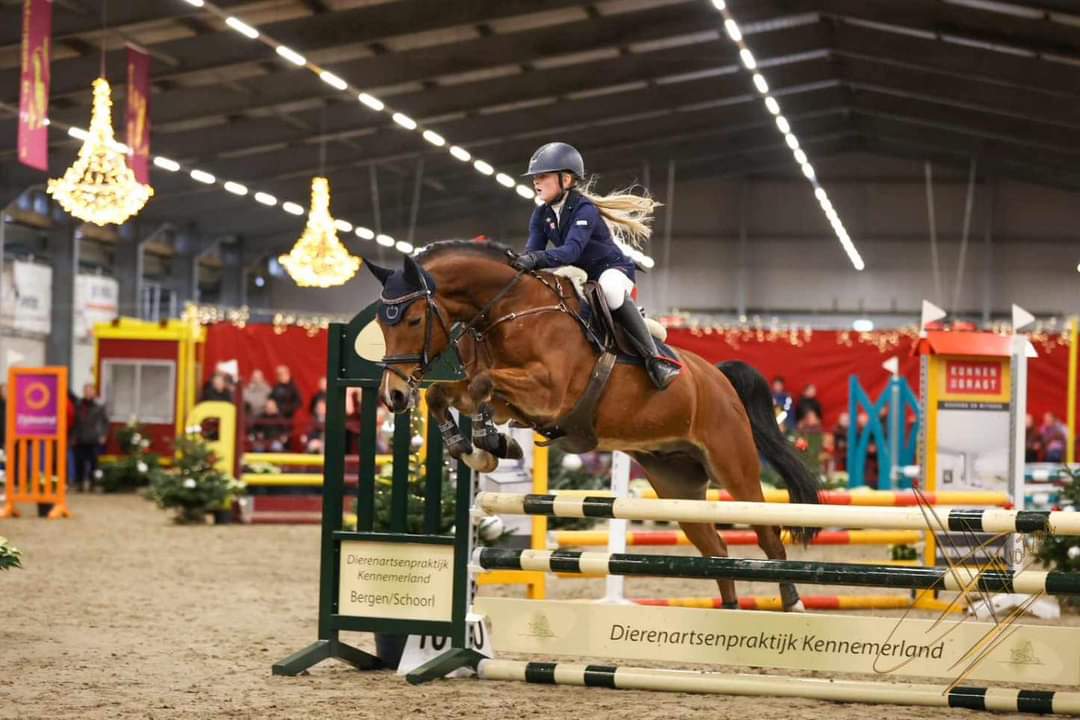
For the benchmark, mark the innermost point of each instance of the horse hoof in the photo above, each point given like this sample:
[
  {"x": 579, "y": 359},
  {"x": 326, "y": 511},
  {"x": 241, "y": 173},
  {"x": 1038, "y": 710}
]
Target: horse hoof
[
  {"x": 513, "y": 450},
  {"x": 797, "y": 607},
  {"x": 459, "y": 450},
  {"x": 481, "y": 461}
]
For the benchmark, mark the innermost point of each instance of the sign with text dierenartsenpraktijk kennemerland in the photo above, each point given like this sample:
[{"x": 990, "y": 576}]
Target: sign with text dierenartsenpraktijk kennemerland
[
  {"x": 408, "y": 581},
  {"x": 899, "y": 646}
]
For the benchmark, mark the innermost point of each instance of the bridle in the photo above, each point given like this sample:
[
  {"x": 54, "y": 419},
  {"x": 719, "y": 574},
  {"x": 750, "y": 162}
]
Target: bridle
[{"x": 424, "y": 360}]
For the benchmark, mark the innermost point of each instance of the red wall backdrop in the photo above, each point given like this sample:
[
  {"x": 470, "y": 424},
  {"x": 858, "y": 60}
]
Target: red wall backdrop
[
  {"x": 259, "y": 346},
  {"x": 826, "y": 362},
  {"x": 821, "y": 359}
]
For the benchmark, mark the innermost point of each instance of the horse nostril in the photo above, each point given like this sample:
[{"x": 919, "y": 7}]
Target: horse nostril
[{"x": 397, "y": 399}]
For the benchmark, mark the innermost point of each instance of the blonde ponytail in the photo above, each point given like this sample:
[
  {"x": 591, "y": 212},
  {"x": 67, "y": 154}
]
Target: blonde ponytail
[{"x": 628, "y": 216}]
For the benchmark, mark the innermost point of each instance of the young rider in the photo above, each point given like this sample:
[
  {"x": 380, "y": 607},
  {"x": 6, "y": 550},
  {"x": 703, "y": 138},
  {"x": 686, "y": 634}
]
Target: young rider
[{"x": 581, "y": 227}]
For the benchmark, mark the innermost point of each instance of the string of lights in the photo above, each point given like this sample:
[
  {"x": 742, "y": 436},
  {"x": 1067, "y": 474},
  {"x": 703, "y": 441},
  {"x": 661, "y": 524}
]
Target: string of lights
[{"x": 746, "y": 56}]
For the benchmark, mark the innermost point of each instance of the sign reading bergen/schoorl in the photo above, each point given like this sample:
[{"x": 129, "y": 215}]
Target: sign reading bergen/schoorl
[
  {"x": 896, "y": 646},
  {"x": 409, "y": 581}
]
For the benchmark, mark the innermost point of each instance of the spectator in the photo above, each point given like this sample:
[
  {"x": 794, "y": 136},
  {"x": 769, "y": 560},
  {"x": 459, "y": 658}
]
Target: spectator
[
  {"x": 313, "y": 439},
  {"x": 782, "y": 403},
  {"x": 217, "y": 389},
  {"x": 90, "y": 428},
  {"x": 840, "y": 440},
  {"x": 1032, "y": 440},
  {"x": 285, "y": 394},
  {"x": 1054, "y": 436},
  {"x": 808, "y": 402},
  {"x": 828, "y": 454},
  {"x": 320, "y": 395},
  {"x": 810, "y": 422},
  {"x": 870, "y": 475},
  {"x": 256, "y": 392},
  {"x": 352, "y": 420},
  {"x": 270, "y": 431}
]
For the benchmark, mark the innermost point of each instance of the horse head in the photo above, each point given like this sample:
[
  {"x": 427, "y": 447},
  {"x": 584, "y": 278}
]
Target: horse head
[{"x": 414, "y": 327}]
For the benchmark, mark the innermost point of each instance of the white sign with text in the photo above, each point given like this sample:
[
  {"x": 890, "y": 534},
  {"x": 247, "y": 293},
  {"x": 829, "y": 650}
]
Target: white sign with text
[{"x": 407, "y": 581}]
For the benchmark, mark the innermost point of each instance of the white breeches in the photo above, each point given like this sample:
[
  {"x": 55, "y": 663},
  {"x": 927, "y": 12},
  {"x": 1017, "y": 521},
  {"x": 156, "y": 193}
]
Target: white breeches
[{"x": 616, "y": 286}]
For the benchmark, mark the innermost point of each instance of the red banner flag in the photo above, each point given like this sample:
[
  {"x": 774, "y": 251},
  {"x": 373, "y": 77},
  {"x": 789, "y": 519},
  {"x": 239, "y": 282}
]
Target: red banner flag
[
  {"x": 34, "y": 84},
  {"x": 138, "y": 114}
]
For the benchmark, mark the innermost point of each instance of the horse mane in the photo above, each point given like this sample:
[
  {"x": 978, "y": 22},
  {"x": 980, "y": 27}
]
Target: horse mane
[{"x": 490, "y": 250}]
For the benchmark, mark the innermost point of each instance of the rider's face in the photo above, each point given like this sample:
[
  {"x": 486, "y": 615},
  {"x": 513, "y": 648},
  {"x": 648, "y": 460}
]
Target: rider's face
[{"x": 547, "y": 187}]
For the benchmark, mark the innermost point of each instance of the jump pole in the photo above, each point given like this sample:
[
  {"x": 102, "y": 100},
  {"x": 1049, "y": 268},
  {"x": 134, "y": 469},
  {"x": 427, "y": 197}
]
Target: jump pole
[
  {"x": 957, "y": 579},
  {"x": 689, "y": 681},
  {"x": 990, "y": 520}
]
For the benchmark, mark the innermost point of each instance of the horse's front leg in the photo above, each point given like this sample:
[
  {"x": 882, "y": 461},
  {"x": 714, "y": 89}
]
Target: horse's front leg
[
  {"x": 484, "y": 433},
  {"x": 441, "y": 397}
]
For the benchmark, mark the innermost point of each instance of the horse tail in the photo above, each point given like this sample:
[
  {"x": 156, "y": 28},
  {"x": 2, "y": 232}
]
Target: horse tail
[{"x": 753, "y": 390}]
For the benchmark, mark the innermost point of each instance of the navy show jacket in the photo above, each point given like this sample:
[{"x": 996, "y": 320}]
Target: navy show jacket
[{"x": 580, "y": 237}]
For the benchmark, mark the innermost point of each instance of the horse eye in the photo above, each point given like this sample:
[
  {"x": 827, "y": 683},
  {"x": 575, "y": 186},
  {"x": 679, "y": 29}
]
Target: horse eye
[{"x": 414, "y": 322}]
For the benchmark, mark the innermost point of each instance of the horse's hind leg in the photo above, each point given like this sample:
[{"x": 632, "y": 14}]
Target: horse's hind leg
[
  {"x": 770, "y": 541},
  {"x": 678, "y": 476},
  {"x": 739, "y": 473}
]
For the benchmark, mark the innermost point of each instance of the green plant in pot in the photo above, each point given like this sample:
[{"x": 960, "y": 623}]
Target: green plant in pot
[
  {"x": 1062, "y": 552},
  {"x": 135, "y": 467},
  {"x": 194, "y": 487},
  {"x": 10, "y": 557}
]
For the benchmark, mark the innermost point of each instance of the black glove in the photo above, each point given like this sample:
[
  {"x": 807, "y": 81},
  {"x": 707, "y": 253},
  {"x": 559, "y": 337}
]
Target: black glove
[{"x": 527, "y": 261}]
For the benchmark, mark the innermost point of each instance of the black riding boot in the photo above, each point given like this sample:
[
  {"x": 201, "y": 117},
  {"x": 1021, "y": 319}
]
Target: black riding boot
[{"x": 662, "y": 371}]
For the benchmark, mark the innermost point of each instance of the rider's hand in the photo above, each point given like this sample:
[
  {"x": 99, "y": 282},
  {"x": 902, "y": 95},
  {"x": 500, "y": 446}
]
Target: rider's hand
[{"x": 527, "y": 261}]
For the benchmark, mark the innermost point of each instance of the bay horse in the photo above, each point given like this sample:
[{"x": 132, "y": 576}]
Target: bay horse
[{"x": 527, "y": 359}]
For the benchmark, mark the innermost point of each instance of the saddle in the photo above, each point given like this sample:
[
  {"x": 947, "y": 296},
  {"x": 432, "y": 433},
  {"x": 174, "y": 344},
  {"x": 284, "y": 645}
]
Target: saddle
[
  {"x": 608, "y": 334},
  {"x": 575, "y": 432}
]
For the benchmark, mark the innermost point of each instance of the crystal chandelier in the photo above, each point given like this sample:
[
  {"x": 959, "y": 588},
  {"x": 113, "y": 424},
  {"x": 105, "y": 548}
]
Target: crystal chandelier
[
  {"x": 99, "y": 187},
  {"x": 318, "y": 259}
]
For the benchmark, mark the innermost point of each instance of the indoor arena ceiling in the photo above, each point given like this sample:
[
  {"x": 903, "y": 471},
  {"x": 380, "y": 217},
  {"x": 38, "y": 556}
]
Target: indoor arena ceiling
[{"x": 628, "y": 80}]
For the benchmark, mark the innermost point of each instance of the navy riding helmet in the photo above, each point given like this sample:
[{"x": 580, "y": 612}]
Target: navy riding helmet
[{"x": 556, "y": 157}]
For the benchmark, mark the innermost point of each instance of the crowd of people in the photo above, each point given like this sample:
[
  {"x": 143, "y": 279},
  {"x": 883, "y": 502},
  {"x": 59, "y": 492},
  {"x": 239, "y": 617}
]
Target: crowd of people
[
  {"x": 276, "y": 418},
  {"x": 805, "y": 416}
]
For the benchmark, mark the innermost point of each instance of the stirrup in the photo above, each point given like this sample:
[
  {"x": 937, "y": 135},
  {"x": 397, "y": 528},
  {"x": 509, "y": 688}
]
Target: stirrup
[
  {"x": 673, "y": 362},
  {"x": 661, "y": 375}
]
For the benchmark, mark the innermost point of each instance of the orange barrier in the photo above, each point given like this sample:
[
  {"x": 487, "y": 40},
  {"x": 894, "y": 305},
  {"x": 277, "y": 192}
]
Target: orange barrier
[{"x": 36, "y": 444}]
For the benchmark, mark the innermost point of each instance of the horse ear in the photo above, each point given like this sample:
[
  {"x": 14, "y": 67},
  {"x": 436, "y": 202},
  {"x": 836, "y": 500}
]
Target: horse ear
[
  {"x": 380, "y": 273},
  {"x": 413, "y": 275}
]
